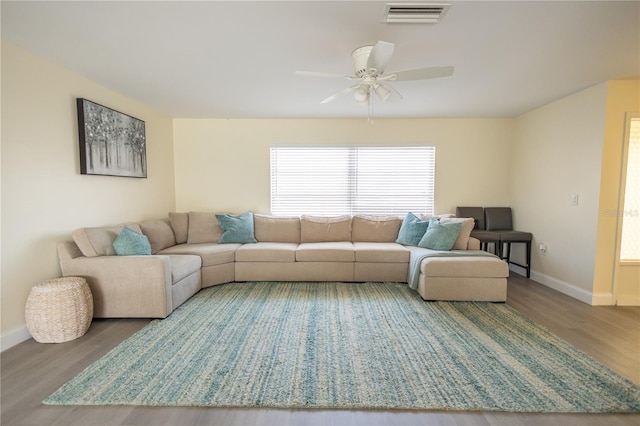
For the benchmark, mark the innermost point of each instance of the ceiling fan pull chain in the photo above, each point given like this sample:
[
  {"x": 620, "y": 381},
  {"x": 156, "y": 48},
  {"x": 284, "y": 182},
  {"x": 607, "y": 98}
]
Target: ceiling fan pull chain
[{"x": 371, "y": 105}]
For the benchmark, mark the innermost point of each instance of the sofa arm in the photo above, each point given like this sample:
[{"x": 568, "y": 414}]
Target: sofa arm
[
  {"x": 122, "y": 286},
  {"x": 473, "y": 244}
]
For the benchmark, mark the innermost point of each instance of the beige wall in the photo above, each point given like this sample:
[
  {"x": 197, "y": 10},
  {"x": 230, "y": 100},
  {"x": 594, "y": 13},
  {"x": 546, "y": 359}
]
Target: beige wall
[
  {"x": 557, "y": 152},
  {"x": 623, "y": 96},
  {"x": 223, "y": 165},
  {"x": 44, "y": 197}
]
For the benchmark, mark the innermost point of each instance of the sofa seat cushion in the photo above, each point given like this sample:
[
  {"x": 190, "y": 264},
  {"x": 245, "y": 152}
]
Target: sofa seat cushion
[
  {"x": 381, "y": 252},
  {"x": 183, "y": 265},
  {"x": 471, "y": 266},
  {"x": 339, "y": 251},
  {"x": 211, "y": 253},
  {"x": 267, "y": 252}
]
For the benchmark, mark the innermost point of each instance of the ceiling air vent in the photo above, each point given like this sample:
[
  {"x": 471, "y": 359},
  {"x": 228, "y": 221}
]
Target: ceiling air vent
[{"x": 426, "y": 13}]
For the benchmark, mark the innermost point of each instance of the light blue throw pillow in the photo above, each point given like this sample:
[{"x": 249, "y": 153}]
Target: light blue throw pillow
[
  {"x": 440, "y": 236},
  {"x": 237, "y": 229},
  {"x": 131, "y": 243},
  {"x": 412, "y": 230}
]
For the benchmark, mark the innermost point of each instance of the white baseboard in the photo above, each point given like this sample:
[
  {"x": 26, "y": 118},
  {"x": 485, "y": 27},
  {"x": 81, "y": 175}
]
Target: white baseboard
[
  {"x": 518, "y": 270},
  {"x": 628, "y": 301},
  {"x": 602, "y": 299},
  {"x": 571, "y": 290},
  {"x": 14, "y": 337}
]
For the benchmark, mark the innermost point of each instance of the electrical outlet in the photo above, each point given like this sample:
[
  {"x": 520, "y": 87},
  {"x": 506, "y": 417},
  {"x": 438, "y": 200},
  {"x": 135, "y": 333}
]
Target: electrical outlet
[{"x": 543, "y": 248}]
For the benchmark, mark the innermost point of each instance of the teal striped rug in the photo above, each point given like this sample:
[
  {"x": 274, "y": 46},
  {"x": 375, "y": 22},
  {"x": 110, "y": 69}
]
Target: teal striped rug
[{"x": 337, "y": 345}]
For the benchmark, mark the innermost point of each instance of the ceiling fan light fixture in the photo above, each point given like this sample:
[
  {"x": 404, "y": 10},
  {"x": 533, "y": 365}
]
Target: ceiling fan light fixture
[
  {"x": 361, "y": 94},
  {"x": 383, "y": 92}
]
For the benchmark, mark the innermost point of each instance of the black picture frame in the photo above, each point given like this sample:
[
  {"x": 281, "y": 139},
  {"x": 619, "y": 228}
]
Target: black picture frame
[{"x": 111, "y": 143}]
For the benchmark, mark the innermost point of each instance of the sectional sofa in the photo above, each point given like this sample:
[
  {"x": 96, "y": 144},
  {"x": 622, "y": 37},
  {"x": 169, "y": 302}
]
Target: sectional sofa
[{"x": 189, "y": 251}]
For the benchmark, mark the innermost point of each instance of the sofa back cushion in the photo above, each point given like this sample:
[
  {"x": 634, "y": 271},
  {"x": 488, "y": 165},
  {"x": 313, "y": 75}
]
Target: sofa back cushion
[
  {"x": 94, "y": 242},
  {"x": 159, "y": 233},
  {"x": 276, "y": 229},
  {"x": 317, "y": 229},
  {"x": 379, "y": 229},
  {"x": 180, "y": 225},
  {"x": 203, "y": 228}
]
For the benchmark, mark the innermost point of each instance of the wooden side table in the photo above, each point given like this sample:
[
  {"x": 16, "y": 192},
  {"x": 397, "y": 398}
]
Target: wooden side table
[{"x": 59, "y": 310}]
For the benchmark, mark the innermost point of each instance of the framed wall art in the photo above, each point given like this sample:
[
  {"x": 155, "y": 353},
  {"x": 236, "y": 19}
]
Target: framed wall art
[{"x": 111, "y": 143}]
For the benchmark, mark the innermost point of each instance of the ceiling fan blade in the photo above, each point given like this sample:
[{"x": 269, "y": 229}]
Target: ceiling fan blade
[
  {"x": 340, "y": 93},
  {"x": 323, "y": 74},
  {"x": 421, "y": 73},
  {"x": 379, "y": 57}
]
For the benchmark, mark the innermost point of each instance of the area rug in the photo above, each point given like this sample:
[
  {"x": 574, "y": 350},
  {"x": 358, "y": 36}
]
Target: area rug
[{"x": 346, "y": 345}]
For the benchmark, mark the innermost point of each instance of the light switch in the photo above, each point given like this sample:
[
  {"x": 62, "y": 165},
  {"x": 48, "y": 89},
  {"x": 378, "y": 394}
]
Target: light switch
[{"x": 574, "y": 199}]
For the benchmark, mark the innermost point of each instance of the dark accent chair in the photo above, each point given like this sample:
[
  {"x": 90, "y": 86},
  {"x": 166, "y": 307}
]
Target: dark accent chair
[
  {"x": 499, "y": 220},
  {"x": 479, "y": 231}
]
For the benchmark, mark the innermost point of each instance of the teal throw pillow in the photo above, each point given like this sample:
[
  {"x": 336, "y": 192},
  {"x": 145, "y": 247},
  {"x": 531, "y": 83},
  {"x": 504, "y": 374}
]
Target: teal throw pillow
[
  {"x": 131, "y": 243},
  {"x": 412, "y": 230},
  {"x": 440, "y": 236},
  {"x": 237, "y": 229}
]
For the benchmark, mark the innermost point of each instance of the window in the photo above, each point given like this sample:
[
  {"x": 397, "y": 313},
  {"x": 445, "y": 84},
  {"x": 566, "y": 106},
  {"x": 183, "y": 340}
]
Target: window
[
  {"x": 630, "y": 246},
  {"x": 351, "y": 180}
]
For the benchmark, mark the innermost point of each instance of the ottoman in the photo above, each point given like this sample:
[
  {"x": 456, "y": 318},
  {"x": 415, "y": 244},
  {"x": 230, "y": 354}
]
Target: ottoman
[
  {"x": 473, "y": 278},
  {"x": 59, "y": 310}
]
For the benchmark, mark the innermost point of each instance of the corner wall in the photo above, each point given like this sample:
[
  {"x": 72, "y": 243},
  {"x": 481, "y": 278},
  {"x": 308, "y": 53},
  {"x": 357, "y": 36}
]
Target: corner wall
[
  {"x": 556, "y": 153},
  {"x": 44, "y": 197},
  {"x": 573, "y": 146}
]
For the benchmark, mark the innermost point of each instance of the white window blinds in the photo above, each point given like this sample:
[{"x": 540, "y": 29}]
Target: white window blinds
[{"x": 350, "y": 180}]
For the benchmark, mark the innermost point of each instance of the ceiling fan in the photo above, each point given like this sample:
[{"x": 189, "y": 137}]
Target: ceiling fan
[{"x": 369, "y": 63}]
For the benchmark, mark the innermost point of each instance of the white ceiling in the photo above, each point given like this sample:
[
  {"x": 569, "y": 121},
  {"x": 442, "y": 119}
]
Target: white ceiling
[{"x": 223, "y": 59}]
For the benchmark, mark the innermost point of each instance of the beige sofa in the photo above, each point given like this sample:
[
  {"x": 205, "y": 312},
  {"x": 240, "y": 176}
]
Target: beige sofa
[{"x": 186, "y": 257}]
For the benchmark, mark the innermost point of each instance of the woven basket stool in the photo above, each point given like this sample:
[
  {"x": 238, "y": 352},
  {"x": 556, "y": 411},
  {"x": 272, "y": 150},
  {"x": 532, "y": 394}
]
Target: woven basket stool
[{"x": 59, "y": 310}]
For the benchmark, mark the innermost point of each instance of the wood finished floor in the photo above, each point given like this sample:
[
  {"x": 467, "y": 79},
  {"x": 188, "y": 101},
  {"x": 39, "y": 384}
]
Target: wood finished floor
[{"x": 31, "y": 371}]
